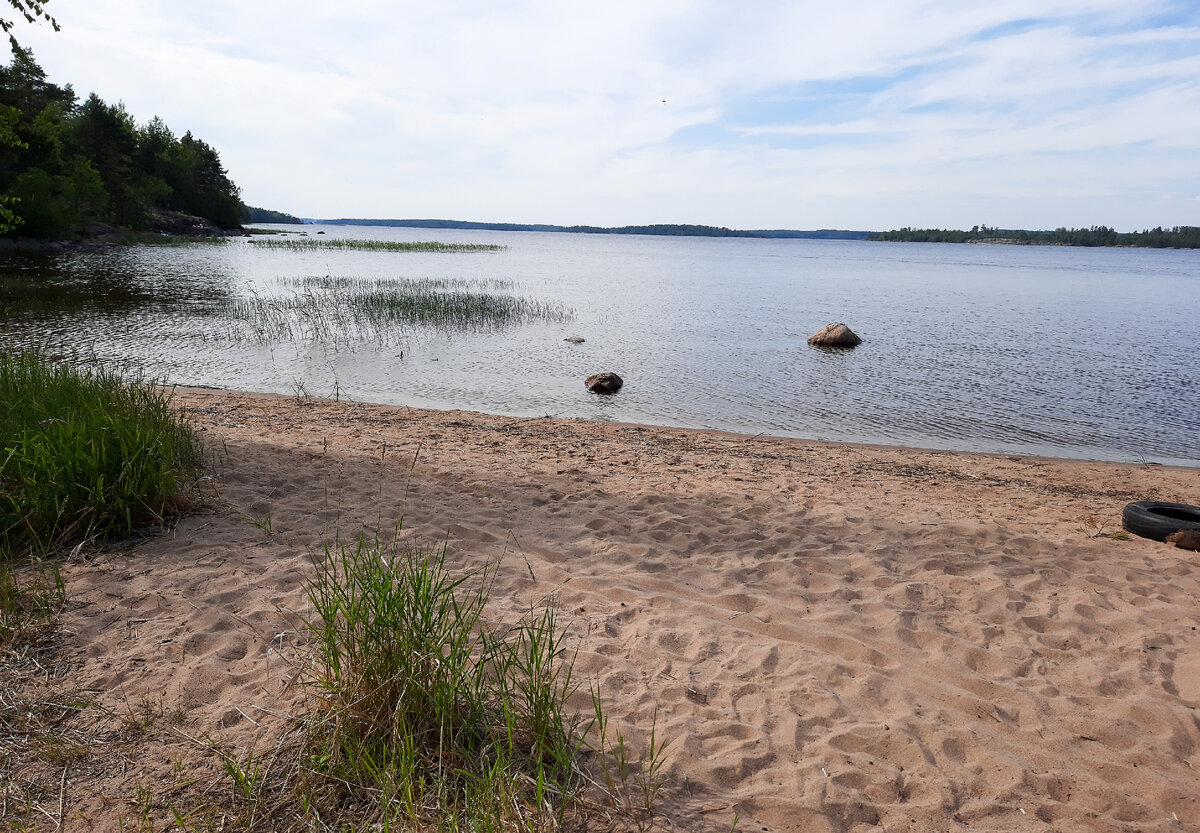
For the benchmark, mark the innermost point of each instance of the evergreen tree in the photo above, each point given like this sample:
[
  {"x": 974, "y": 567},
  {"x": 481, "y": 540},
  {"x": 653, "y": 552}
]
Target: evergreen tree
[{"x": 67, "y": 165}]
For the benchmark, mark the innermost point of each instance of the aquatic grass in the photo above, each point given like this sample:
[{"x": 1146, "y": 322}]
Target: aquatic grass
[
  {"x": 86, "y": 454},
  {"x": 331, "y": 283},
  {"x": 342, "y": 310},
  {"x": 376, "y": 245}
]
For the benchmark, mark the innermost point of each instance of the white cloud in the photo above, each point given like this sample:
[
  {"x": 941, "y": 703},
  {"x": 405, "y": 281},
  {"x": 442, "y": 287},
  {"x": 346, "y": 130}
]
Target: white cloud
[{"x": 551, "y": 111}]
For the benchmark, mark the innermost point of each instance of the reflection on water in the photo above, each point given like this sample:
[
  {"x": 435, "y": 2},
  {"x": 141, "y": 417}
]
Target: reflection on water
[
  {"x": 45, "y": 287},
  {"x": 1071, "y": 352}
]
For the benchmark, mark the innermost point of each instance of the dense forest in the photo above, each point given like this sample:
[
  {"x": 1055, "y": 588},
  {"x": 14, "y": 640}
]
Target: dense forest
[
  {"x": 66, "y": 165},
  {"x": 1179, "y": 237},
  {"x": 252, "y": 214}
]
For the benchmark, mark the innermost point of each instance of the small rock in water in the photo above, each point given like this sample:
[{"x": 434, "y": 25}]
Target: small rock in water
[
  {"x": 574, "y": 339},
  {"x": 834, "y": 335},
  {"x": 604, "y": 383}
]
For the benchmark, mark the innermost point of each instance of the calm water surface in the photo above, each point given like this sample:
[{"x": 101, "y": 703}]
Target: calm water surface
[{"x": 1068, "y": 352}]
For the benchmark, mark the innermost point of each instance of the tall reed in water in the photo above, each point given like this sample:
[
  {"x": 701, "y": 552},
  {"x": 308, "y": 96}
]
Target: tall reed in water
[{"x": 376, "y": 245}]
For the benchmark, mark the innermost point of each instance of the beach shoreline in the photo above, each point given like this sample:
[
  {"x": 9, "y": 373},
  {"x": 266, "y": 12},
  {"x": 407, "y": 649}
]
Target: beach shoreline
[{"x": 828, "y": 636}]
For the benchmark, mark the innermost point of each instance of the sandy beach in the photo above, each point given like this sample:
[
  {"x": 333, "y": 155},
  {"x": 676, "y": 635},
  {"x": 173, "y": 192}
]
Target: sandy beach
[{"x": 830, "y": 637}]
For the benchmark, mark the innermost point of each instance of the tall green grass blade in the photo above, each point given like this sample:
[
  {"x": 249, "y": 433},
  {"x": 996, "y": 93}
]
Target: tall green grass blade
[
  {"x": 445, "y": 718},
  {"x": 84, "y": 453}
]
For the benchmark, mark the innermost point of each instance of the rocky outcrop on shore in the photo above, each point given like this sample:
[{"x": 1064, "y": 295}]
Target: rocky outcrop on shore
[{"x": 160, "y": 222}]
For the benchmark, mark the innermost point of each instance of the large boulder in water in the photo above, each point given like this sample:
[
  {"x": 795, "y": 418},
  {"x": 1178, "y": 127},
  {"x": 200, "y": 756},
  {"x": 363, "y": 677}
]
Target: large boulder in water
[
  {"x": 604, "y": 383},
  {"x": 834, "y": 335}
]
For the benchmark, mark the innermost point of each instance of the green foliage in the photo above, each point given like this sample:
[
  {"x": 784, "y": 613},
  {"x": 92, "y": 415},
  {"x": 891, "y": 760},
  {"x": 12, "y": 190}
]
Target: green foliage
[
  {"x": 1180, "y": 237},
  {"x": 107, "y": 137},
  {"x": 83, "y": 163},
  {"x": 428, "y": 717},
  {"x": 51, "y": 204},
  {"x": 32, "y": 11},
  {"x": 430, "y": 720},
  {"x": 85, "y": 454},
  {"x": 8, "y": 138},
  {"x": 200, "y": 184},
  {"x": 30, "y": 599},
  {"x": 9, "y": 219},
  {"x": 251, "y": 214}
]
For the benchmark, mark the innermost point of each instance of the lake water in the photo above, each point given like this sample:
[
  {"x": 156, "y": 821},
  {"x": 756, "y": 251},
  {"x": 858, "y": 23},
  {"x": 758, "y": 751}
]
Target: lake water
[{"x": 1067, "y": 352}]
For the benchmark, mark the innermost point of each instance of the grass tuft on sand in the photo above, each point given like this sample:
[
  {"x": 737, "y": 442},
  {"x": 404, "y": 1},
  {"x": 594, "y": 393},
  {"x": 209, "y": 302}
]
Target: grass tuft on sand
[
  {"x": 425, "y": 717},
  {"x": 86, "y": 454},
  {"x": 83, "y": 455}
]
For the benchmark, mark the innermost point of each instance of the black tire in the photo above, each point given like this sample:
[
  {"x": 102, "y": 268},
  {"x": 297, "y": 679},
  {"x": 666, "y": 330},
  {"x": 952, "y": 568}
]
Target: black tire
[{"x": 1155, "y": 519}]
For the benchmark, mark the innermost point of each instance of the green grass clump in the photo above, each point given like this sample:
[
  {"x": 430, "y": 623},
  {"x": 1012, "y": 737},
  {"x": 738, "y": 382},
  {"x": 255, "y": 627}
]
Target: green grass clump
[
  {"x": 30, "y": 599},
  {"x": 84, "y": 454},
  {"x": 377, "y": 245},
  {"x": 430, "y": 720},
  {"x": 427, "y": 717}
]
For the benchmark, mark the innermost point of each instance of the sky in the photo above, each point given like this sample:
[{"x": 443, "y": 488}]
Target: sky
[{"x": 785, "y": 114}]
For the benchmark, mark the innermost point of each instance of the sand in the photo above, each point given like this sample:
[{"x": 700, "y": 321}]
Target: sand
[{"x": 833, "y": 637}]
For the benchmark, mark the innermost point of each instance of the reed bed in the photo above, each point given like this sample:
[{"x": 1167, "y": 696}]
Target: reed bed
[
  {"x": 376, "y": 245},
  {"x": 364, "y": 285},
  {"x": 347, "y": 310}
]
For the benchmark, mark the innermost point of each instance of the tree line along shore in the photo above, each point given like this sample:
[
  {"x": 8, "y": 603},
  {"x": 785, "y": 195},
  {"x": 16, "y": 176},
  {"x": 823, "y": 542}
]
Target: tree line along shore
[{"x": 1179, "y": 237}]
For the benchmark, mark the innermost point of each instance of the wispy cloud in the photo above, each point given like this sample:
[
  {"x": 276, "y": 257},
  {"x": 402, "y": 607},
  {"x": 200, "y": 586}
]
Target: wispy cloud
[{"x": 1018, "y": 112}]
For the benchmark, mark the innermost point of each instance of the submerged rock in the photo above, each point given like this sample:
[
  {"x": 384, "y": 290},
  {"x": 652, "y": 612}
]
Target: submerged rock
[
  {"x": 834, "y": 335},
  {"x": 604, "y": 383}
]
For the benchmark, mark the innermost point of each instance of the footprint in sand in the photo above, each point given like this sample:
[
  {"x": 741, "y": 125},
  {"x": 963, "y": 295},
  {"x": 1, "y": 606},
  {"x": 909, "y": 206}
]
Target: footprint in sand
[{"x": 1187, "y": 676}]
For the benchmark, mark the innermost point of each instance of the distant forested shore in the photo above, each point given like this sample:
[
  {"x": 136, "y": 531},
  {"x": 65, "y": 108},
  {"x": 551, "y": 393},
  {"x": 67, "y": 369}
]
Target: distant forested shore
[
  {"x": 252, "y": 214},
  {"x": 71, "y": 169},
  {"x": 661, "y": 229},
  {"x": 1179, "y": 237}
]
